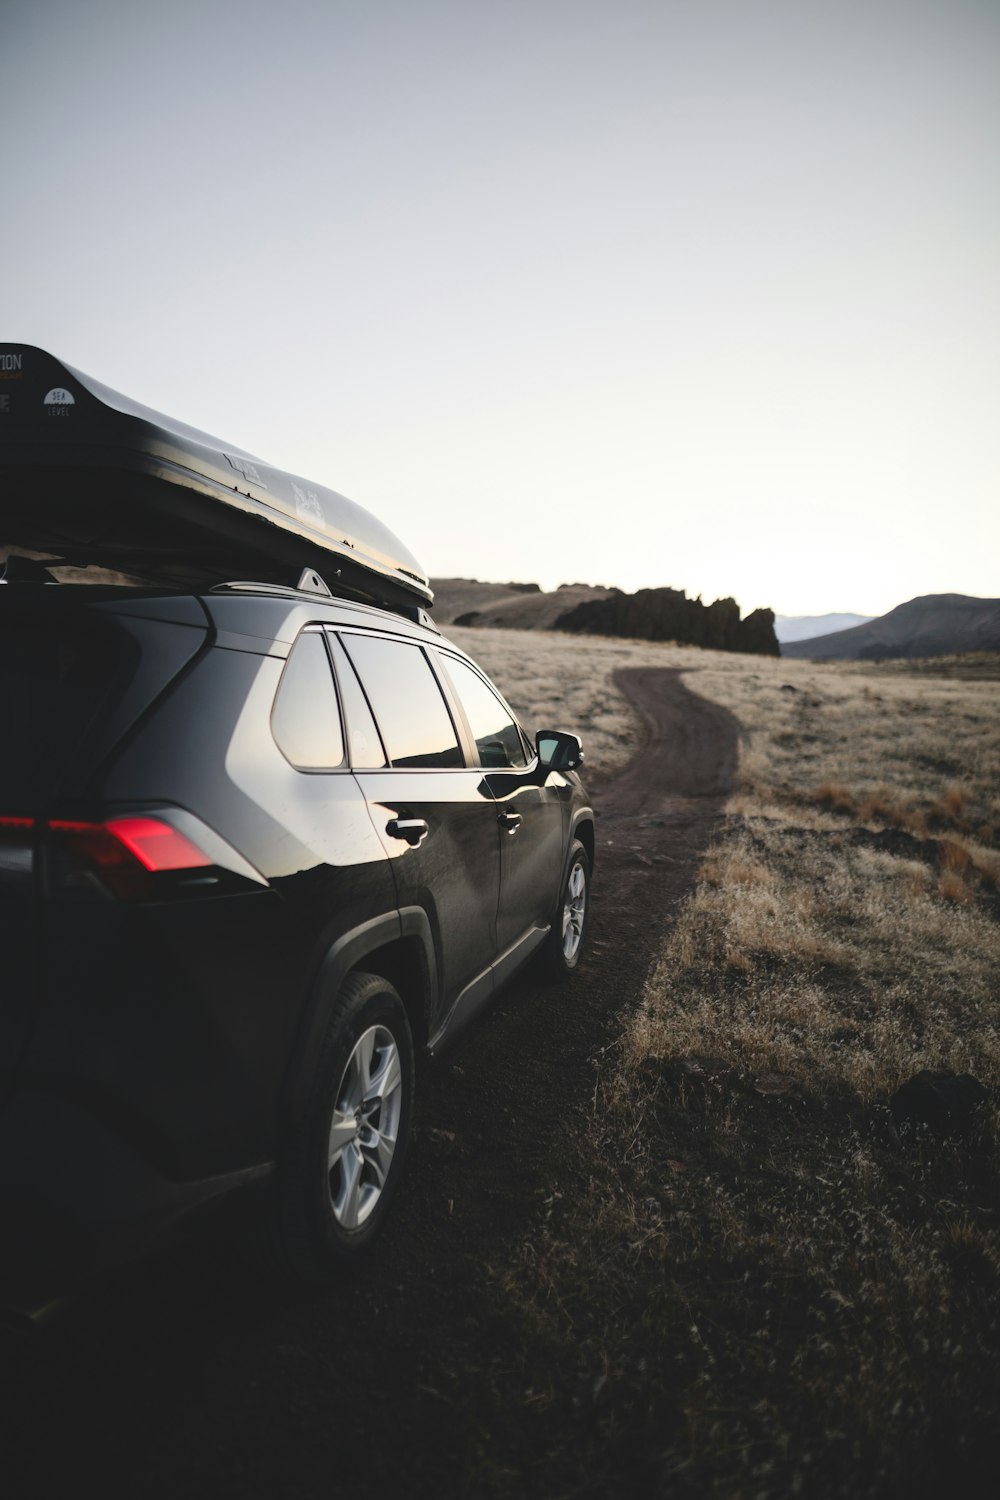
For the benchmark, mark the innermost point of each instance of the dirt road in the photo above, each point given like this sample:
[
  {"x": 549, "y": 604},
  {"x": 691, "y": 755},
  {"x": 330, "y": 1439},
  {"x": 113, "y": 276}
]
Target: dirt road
[{"x": 189, "y": 1376}]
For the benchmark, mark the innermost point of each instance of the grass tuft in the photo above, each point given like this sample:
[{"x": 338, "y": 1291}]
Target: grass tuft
[{"x": 954, "y": 888}]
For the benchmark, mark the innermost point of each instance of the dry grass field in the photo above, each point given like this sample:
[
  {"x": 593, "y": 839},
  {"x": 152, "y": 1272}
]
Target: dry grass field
[{"x": 767, "y": 1289}]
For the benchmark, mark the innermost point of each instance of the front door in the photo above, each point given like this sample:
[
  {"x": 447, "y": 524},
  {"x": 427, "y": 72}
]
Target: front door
[{"x": 532, "y": 809}]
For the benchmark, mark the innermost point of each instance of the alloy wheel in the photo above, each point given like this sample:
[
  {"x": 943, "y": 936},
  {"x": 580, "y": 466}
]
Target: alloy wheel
[
  {"x": 574, "y": 911},
  {"x": 364, "y": 1127}
]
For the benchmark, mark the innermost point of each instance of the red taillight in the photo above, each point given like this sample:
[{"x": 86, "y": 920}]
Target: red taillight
[
  {"x": 155, "y": 844},
  {"x": 137, "y": 856},
  {"x": 125, "y": 851}
]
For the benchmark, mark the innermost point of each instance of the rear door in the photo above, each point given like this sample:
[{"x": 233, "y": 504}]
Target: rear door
[{"x": 435, "y": 815}]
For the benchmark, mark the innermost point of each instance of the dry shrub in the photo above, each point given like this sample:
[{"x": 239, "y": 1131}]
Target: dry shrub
[
  {"x": 954, "y": 856},
  {"x": 746, "y": 872},
  {"x": 878, "y": 806},
  {"x": 916, "y": 879},
  {"x": 954, "y": 801},
  {"x": 882, "y": 806},
  {"x": 954, "y": 888},
  {"x": 912, "y": 820},
  {"x": 971, "y": 1238},
  {"x": 831, "y": 794},
  {"x": 738, "y": 961}
]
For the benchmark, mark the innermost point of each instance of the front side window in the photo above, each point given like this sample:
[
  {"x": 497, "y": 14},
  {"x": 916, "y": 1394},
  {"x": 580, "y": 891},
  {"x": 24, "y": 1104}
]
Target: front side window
[
  {"x": 497, "y": 737},
  {"x": 416, "y": 726},
  {"x": 305, "y": 719}
]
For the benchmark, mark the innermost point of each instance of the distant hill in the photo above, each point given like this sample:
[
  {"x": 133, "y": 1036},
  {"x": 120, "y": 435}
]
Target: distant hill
[
  {"x": 804, "y": 627},
  {"x": 518, "y": 606},
  {"x": 932, "y": 625},
  {"x": 649, "y": 614}
]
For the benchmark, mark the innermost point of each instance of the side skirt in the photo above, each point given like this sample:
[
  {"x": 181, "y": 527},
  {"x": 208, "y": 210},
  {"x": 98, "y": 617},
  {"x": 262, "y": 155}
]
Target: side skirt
[{"x": 482, "y": 989}]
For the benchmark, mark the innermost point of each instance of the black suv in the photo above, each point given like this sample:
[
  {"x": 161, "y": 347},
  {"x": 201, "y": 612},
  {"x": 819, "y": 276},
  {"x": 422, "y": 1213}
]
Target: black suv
[{"x": 257, "y": 844}]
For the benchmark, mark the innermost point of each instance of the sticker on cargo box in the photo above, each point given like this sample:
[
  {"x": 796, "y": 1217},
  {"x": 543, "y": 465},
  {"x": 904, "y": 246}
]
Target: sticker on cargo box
[
  {"x": 247, "y": 469},
  {"x": 59, "y": 396},
  {"x": 307, "y": 506}
]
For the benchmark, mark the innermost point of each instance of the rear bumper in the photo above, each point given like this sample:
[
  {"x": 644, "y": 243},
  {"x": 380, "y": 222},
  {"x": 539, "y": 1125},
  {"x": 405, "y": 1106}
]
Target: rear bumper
[{"x": 75, "y": 1197}]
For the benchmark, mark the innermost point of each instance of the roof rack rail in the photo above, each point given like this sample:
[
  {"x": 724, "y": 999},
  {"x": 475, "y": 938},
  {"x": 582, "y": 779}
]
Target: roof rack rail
[{"x": 412, "y": 612}]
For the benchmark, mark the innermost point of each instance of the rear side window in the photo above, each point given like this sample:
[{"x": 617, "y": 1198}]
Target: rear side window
[
  {"x": 366, "y": 753},
  {"x": 305, "y": 719},
  {"x": 497, "y": 737},
  {"x": 403, "y": 691}
]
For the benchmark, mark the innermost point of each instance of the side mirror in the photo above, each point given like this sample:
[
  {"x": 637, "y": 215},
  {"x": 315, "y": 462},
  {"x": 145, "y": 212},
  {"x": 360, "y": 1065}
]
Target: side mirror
[{"x": 558, "y": 751}]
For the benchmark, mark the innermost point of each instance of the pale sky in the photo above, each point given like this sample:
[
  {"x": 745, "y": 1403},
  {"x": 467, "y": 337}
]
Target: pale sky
[{"x": 638, "y": 292}]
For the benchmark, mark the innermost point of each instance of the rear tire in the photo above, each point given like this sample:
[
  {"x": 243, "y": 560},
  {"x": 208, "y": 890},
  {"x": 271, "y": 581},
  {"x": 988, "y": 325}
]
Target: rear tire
[{"x": 343, "y": 1160}]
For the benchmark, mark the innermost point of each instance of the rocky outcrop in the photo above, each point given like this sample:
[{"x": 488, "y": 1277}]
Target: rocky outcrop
[{"x": 669, "y": 615}]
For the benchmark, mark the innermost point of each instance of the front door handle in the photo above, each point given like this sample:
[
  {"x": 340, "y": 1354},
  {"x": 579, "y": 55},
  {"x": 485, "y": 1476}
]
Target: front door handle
[
  {"x": 413, "y": 830},
  {"x": 509, "y": 820}
]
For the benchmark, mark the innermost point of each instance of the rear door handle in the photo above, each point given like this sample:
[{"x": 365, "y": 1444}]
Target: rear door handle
[
  {"x": 509, "y": 820},
  {"x": 413, "y": 830}
]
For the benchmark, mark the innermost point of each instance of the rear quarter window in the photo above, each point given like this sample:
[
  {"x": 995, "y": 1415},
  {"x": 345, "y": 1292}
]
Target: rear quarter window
[{"x": 305, "y": 719}]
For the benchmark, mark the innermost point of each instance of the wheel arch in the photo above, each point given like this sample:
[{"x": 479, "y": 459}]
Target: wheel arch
[
  {"x": 583, "y": 829},
  {"x": 399, "y": 947}
]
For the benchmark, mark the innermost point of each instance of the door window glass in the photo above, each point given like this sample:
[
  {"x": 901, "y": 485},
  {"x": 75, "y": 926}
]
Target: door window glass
[
  {"x": 364, "y": 746},
  {"x": 305, "y": 719},
  {"x": 497, "y": 737},
  {"x": 403, "y": 692}
]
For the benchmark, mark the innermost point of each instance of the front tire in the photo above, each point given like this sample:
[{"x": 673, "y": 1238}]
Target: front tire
[
  {"x": 343, "y": 1160},
  {"x": 565, "y": 944}
]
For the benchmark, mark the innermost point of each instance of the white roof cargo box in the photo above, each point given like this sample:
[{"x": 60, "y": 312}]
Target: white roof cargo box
[{"x": 94, "y": 478}]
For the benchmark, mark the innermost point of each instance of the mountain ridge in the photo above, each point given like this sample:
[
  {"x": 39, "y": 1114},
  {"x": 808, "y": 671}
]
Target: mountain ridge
[
  {"x": 805, "y": 627},
  {"x": 928, "y": 625}
]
